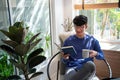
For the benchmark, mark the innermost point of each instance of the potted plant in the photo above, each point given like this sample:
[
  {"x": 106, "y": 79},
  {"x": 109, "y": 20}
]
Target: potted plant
[
  {"x": 6, "y": 68},
  {"x": 68, "y": 30},
  {"x": 22, "y": 54},
  {"x": 67, "y": 25}
]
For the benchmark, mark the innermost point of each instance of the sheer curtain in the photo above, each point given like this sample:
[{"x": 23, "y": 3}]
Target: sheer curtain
[
  {"x": 4, "y": 18},
  {"x": 35, "y": 13}
]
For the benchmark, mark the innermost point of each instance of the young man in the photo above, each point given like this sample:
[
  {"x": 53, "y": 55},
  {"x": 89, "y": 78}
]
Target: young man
[{"x": 77, "y": 67}]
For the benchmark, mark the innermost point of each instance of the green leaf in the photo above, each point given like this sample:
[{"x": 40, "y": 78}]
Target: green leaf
[
  {"x": 15, "y": 34},
  {"x": 20, "y": 35},
  {"x": 35, "y": 61},
  {"x": 8, "y": 34},
  {"x": 13, "y": 29},
  {"x": 33, "y": 38},
  {"x": 14, "y": 77},
  {"x": 33, "y": 70},
  {"x": 20, "y": 66},
  {"x": 9, "y": 50},
  {"x": 18, "y": 24},
  {"x": 34, "y": 44},
  {"x": 19, "y": 31},
  {"x": 22, "y": 49},
  {"x": 10, "y": 43},
  {"x": 34, "y": 53},
  {"x": 36, "y": 74}
]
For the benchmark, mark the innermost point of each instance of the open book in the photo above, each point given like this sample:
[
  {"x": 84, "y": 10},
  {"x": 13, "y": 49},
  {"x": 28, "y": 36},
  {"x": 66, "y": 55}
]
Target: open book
[{"x": 67, "y": 50}]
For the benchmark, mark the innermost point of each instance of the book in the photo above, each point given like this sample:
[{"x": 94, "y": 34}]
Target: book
[{"x": 67, "y": 50}]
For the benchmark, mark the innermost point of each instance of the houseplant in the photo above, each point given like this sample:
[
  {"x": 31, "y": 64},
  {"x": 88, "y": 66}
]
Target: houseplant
[
  {"x": 22, "y": 54},
  {"x": 6, "y": 68},
  {"x": 67, "y": 25},
  {"x": 68, "y": 29}
]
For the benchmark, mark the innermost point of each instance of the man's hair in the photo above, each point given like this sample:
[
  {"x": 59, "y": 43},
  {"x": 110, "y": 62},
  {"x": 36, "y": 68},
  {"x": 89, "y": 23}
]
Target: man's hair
[{"x": 80, "y": 20}]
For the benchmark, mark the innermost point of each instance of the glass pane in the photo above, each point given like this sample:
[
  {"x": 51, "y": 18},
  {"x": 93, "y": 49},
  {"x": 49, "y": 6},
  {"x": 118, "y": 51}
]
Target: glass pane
[
  {"x": 100, "y": 1},
  {"x": 107, "y": 24},
  {"x": 90, "y": 15},
  {"x": 36, "y": 14},
  {"x": 103, "y": 23},
  {"x": 106, "y": 1}
]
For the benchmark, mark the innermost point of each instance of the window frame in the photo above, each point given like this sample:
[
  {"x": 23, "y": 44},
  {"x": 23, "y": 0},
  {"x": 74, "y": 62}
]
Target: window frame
[{"x": 96, "y": 6}]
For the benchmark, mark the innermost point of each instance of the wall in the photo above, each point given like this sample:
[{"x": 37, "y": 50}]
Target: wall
[
  {"x": 68, "y": 9},
  {"x": 60, "y": 10}
]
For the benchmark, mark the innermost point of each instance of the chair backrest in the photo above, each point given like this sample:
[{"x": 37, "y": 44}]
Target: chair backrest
[{"x": 62, "y": 38}]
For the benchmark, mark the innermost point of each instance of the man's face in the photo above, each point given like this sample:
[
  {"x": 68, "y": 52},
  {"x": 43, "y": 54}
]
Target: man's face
[{"x": 80, "y": 30}]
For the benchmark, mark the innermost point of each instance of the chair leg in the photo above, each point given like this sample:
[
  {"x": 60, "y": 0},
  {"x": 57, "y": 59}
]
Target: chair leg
[{"x": 58, "y": 70}]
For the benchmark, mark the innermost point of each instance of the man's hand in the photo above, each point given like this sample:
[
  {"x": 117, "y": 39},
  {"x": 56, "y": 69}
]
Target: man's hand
[
  {"x": 93, "y": 53},
  {"x": 65, "y": 56}
]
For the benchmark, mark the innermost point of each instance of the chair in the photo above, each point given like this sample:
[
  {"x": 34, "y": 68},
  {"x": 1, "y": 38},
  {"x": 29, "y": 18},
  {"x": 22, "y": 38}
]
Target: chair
[{"x": 61, "y": 66}]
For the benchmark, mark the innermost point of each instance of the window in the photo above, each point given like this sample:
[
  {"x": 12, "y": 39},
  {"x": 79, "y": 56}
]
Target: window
[
  {"x": 33, "y": 12},
  {"x": 95, "y": 4},
  {"x": 36, "y": 14},
  {"x": 104, "y": 17}
]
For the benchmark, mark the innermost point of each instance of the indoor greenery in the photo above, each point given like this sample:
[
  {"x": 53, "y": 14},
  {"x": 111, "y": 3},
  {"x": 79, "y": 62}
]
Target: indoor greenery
[
  {"x": 6, "y": 68},
  {"x": 21, "y": 52},
  {"x": 67, "y": 25}
]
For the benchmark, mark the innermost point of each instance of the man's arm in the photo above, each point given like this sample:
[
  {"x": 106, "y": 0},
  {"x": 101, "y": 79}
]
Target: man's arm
[{"x": 100, "y": 54}]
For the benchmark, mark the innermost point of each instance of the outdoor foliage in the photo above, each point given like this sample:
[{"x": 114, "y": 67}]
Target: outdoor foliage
[{"x": 108, "y": 19}]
